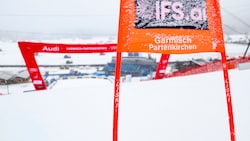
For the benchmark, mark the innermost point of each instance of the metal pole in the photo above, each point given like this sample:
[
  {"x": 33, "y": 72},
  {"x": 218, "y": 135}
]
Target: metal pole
[
  {"x": 246, "y": 50},
  {"x": 6, "y": 82}
]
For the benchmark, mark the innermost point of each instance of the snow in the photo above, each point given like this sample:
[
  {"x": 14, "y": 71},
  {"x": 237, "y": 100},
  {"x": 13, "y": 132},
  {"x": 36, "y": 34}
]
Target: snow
[
  {"x": 183, "y": 108},
  {"x": 191, "y": 108}
]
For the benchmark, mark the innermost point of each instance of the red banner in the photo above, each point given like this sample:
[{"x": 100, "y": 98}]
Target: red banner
[
  {"x": 28, "y": 49},
  {"x": 162, "y": 66}
]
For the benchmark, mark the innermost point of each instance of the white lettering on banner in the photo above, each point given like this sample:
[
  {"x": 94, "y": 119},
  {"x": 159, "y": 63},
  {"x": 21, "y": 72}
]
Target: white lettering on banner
[
  {"x": 86, "y": 48},
  {"x": 190, "y": 14},
  {"x": 37, "y": 82},
  {"x": 174, "y": 43},
  {"x": 171, "y": 47},
  {"x": 53, "y": 49},
  {"x": 173, "y": 40},
  {"x": 164, "y": 8},
  {"x": 32, "y": 70}
]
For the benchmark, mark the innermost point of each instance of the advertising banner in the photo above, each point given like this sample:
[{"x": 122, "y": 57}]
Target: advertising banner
[
  {"x": 170, "y": 26},
  {"x": 28, "y": 49}
]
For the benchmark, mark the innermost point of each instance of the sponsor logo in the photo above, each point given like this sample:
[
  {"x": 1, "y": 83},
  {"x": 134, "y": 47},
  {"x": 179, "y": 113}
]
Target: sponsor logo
[
  {"x": 37, "y": 82},
  {"x": 51, "y": 49},
  {"x": 171, "y": 14},
  {"x": 32, "y": 70}
]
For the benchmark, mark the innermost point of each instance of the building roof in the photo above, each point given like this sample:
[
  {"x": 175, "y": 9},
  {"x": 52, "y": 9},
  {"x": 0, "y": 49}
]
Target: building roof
[
  {"x": 23, "y": 74},
  {"x": 5, "y": 75}
]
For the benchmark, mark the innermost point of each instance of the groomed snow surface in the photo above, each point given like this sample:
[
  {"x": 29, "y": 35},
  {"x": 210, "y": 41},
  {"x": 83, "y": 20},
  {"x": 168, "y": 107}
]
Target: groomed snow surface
[{"x": 190, "y": 108}]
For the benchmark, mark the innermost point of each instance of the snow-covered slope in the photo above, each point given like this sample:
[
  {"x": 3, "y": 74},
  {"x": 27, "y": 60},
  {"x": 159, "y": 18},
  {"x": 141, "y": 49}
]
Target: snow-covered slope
[{"x": 191, "y": 108}]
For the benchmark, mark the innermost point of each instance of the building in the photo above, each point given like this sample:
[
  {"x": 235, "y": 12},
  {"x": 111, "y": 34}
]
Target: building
[{"x": 11, "y": 77}]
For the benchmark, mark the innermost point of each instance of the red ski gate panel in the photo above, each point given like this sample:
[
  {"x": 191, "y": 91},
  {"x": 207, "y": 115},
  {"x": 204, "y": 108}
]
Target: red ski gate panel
[
  {"x": 28, "y": 49},
  {"x": 170, "y": 27}
]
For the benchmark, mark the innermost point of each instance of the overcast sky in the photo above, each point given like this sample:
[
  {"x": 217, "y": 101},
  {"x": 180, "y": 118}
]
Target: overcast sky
[{"x": 92, "y": 17}]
